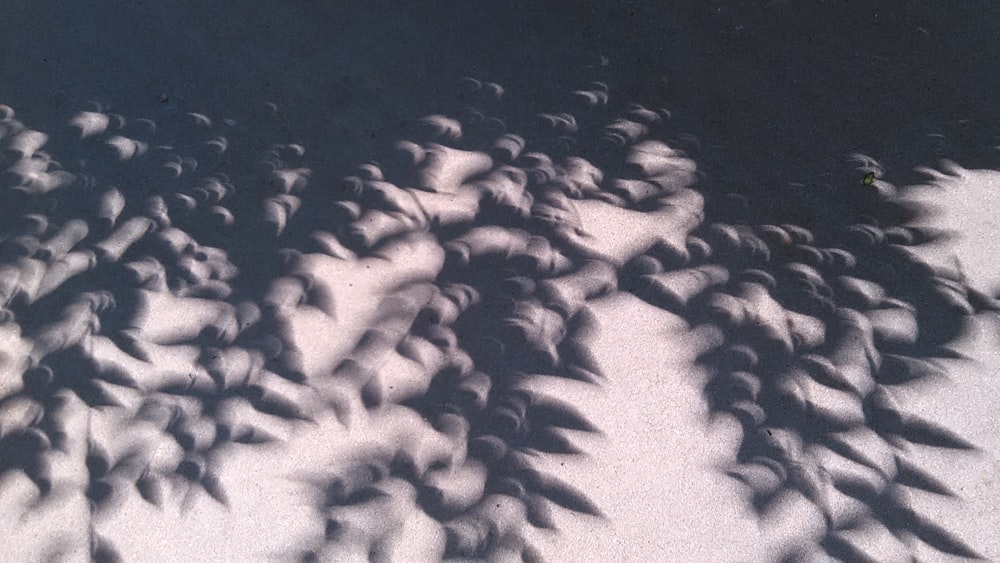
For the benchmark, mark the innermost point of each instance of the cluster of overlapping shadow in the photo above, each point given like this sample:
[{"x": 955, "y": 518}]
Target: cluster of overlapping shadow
[{"x": 185, "y": 275}]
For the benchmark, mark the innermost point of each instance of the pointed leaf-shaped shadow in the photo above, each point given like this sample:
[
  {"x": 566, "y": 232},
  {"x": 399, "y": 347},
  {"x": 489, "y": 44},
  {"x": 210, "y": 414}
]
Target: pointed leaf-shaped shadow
[
  {"x": 842, "y": 550},
  {"x": 910, "y": 475},
  {"x": 887, "y": 418},
  {"x": 150, "y": 489},
  {"x": 39, "y": 470},
  {"x": 553, "y": 412},
  {"x": 580, "y": 374},
  {"x": 100, "y": 493},
  {"x": 859, "y": 488},
  {"x": 925, "y": 350},
  {"x": 251, "y": 435},
  {"x": 270, "y": 403},
  {"x": 897, "y": 370},
  {"x": 561, "y": 493},
  {"x": 53, "y": 424},
  {"x": 551, "y": 440},
  {"x": 98, "y": 461},
  {"x": 118, "y": 377},
  {"x": 539, "y": 512},
  {"x": 939, "y": 538},
  {"x": 94, "y": 395},
  {"x": 213, "y": 486},
  {"x": 920, "y": 431},
  {"x": 574, "y": 352},
  {"x": 131, "y": 345},
  {"x": 531, "y": 555},
  {"x": 846, "y": 449},
  {"x": 104, "y": 552},
  {"x": 19, "y": 449}
]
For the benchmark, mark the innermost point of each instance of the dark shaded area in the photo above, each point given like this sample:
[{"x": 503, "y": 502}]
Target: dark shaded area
[
  {"x": 772, "y": 92},
  {"x": 783, "y": 84}
]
